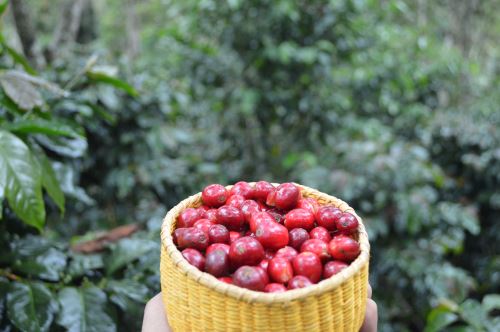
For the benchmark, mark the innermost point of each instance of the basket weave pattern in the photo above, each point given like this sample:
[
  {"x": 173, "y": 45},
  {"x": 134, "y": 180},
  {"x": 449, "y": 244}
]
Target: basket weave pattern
[{"x": 197, "y": 301}]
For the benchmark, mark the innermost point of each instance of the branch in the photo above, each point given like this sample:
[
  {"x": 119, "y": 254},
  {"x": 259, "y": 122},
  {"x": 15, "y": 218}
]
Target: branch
[
  {"x": 99, "y": 243},
  {"x": 24, "y": 27}
]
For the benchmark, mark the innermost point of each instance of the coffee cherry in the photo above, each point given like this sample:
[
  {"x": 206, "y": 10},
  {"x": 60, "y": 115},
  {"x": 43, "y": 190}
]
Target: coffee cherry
[
  {"x": 327, "y": 217},
  {"x": 332, "y": 268},
  {"x": 317, "y": 247},
  {"x": 218, "y": 234},
  {"x": 250, "y": 277},
  {"x": 217, "y": 263},
  {"x": 309, "y": 265},
  {"x": 299, "y": 218},
  {"x": 347, "y": 223},
  {"x": 246, "y": 251},
  {"x": 297, "y": 236},
  {"x": 286, "y": 252},
  {"x": 280, "y": 270},
  {"x": 274, "y": 288},
  {"x": 261, "y": 190},
  {"x": 287, "y": 195},
  {"x": 218, "y": 246},
  {"x": 214, "y": 195},
  {"x": 188, "y": 217},
  {"x": 242, "y": 188},
  {"x": 309, "y": 204},
  {"x": 299, "y": 282},
  {"x": 344, "y": 248},
  {"x": 191, "y": 238},
  {"x": 272, "y": 235},
  {"x": 194, "y": 257},
  {"x": 230, "y": 217},
  {"x": 320, "y": 233}
]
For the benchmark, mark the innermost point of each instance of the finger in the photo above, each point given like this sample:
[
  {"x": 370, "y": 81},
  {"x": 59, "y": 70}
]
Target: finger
[
  {"x": 371, "y": 317},
  {"x": 155, "y": 318},
  {"x": 369, "y": 291}
]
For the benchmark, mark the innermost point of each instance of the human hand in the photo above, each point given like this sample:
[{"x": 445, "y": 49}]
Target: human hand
[{"x": 155, "y": 319}]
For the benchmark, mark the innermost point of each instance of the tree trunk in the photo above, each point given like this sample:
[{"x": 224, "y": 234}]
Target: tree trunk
[
  {"x": 25, "y": 28},
  {"x": 87, "y": 31},
  {"x": 67, "y": 29},
  {"x": 132, "y": 28}
]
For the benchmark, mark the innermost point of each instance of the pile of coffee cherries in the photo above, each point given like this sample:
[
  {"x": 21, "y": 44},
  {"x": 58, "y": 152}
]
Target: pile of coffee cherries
[{"x": 266, "y": 238}]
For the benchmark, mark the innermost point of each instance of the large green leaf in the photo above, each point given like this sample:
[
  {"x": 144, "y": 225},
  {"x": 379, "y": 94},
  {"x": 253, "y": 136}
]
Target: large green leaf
[
  {"x": 491, "y": 302},
  {"x": 17, "y": 57},
  {"x": 81, "y": 264},
  {"x": 21, "y": 91},
  {"x": 122, "y": 291},
  {"x": 3, "y": 6},
  {"x": 71, "y": 147},
  {"x": 439, "y": 318},
  {"x": 42, "y": 126},
  {"x": 83, "y": 310},
  {"x": 21, "y": 180},
  {"x": 30, "y": 307},
  {"x": 126, "y": 251},
  {"x": 107, "y": 79},
  {"x": 36, "y": 256},
  {"x": 49, "y": 179}
]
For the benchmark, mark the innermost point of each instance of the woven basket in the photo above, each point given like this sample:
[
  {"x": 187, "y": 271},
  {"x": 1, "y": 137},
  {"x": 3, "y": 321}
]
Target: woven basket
[{"x": 197, "y": 301}]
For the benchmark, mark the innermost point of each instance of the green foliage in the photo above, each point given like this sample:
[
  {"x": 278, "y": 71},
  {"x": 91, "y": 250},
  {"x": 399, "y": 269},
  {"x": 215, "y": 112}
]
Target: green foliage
[{"x": 355, "y": 98}]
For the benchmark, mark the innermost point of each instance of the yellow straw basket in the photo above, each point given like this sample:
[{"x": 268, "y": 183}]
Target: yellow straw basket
[{"x": 197, "y": 301}]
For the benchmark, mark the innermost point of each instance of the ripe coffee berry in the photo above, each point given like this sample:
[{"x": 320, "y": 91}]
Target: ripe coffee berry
[
  {"x": 299, "y": 218},
  {"x": 264, "y": 264},
  {"x": 280, "y": 270},
  {"x": 217, "y": 263},
  {"x": 317, "y": 247},
  {"x": 235, "y": 200},
  {"x": 274, "y": 288},
  {"x": 269, "y": 254},
  {"x": 261, "y": 190},
  {"x": 308, "y": 203},
  {"x": 211, "y": 214},
  {"x": 251, "y": 277},
  {"x": 327, "y": 217},
  {"x": 258, "y": 218},
  {"x": 309, "y": 265},
  {"x": 320, "y": 233},
  {"x": 248, "y": 208},
  {"x": 188, "y": 217},
  {"x": 347, "y": 223},
  {"x": 230, "y": 217},
  {"x": 299, "y": 282},
  {"x": 272, "y": 235},
  {"x": 297, "y": 237},
  {"x": 227, "y": 280},
  {"x": 218, "y": 234},
  {"x": 286, "y": 252},
  {"x": 286, "y": 196},
  {"x": 233, "y": 236},
  {"x": 242, "y": 188},
  {"x": 203, "y": 224},
  {"x": 194, "y": 257},
  {"x": 343, "y": 248},
  {"x": 218, "y": 246},
  {"x": 191, "y": 238},
  {"x": 332, "y": 268},
  {"x": 214, "y": 195},
  {"x": 246, "y": 251}
]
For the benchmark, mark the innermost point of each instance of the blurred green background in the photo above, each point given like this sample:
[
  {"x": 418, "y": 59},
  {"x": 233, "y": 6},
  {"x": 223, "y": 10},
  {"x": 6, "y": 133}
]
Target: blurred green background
[{"x": 113, "y": 111}]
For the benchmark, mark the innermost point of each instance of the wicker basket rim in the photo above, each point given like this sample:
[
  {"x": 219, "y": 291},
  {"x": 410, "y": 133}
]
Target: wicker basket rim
[{"x": 247, "y": 295}]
